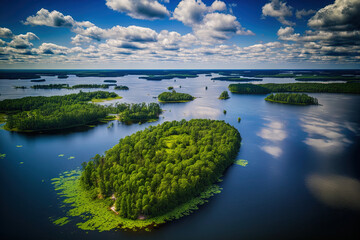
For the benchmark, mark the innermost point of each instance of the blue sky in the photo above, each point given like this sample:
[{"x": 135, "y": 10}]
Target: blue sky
[{"x": 141, "y": 34}]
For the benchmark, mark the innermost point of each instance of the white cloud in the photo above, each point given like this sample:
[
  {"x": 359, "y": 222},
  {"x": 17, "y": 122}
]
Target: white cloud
[
  {"x": 5, "y": 33},
  {"x": 51, "y": 19},
  {"x": 22, "y": 41},
  {"x": 279, "y": 10},
  {"x": 140, "y": 9},
  {"x": 339, "y": 16},
  {"x": 50, "y": 48},
  {"x": 207, "y": 23},
  {"x": 302, "y": 13}
]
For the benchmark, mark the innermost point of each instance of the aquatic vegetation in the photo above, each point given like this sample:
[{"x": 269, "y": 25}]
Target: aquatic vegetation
[
  {"x": 19, "y": 146},
  {"x": 71, "y": 157},
  {"x": 95, "y": 214},
  {"x": 2, "y": 155},
  {"x": 61, "y": 155},
  {"x": 239, "y": 119},
  {"x": 242, "y": 162},
  {"x": 21, "y": 162}
]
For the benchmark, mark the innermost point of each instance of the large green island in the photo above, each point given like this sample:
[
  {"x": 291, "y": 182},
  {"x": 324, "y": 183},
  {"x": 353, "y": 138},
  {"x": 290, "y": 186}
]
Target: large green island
[
  {"x": 36, "y": 114},
  {"x": 292, "y": 98},
  {"x": 171, "y": 97},
  {"x": 156, "y": 175}
]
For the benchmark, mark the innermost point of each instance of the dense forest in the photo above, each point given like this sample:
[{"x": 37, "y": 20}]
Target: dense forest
[
  {"x": 292, "y": 98},
  {"x": 51, "y": 86},
  {"x": 236, "y": 79},
  {"x": 295, "y": 87},
  {"x": 58, "y": 112},
  {"x": 224, "y": 95},
  {"x": 121, "y": 87},
  {"x": 155, "y": 170},
  {"x": 136, "y": 112},
  {"x": 175, "y": 97}
]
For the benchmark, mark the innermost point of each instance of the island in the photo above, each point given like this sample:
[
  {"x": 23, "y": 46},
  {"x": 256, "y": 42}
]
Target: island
[
  {"x": 110, "y": 81},
  {"x": 224, "y": 95},
  {"x": 171, "y": 97},
  {"x": 152, "y": 176},
  {"x": 121, "y": 87},
  {"x": 37, "y": 80},
  {"x": 353, "y": 88},
  {"x": 292, "y": 98},
  {"x": 168, "y": 76},
  {"x": 37, "y": 114},
  {"x": 236, "y": 79}
]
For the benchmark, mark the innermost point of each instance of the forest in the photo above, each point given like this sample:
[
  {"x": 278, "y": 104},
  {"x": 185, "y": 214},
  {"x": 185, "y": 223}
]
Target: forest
[
  {"x": 59, "y": 112},
  {"x": 295, "y": 87},
  {"x": 224, "y": 95},
  {"x": 121, "y": 87},
  {"x": 292, "y": 98},
  {"x": 155, "y": 170},
  {"x": 174, "y": 97}
]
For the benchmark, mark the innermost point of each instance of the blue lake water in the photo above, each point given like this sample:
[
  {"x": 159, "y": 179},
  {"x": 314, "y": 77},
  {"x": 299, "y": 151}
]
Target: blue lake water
[{"x": 302, "y": 180}]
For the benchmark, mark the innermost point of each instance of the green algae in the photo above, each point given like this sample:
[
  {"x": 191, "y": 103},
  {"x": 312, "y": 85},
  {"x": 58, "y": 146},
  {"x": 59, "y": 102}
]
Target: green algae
[
  {"x": 95, "y": 214},
  {"x": 2, "y": 155},
  {"x": 71, "y": 157},
  {"x": 19, "y": 146},
  {"x": 21, "y": 162},
  {"x": 61, "y": 155},
  {"x": 61, "y": 221},
  {"x": 242, "y": 162}
]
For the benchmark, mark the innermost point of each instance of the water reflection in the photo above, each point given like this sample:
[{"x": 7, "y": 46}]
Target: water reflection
[
  {"x": 274, "y": 133},
  {"x": 335, "y": 190},
  {"x": 325, "y": 135}
]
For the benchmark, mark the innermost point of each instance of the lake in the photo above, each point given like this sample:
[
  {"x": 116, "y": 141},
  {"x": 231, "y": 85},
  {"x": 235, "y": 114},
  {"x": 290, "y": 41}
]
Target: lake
[{"x": 302, "y": 179}]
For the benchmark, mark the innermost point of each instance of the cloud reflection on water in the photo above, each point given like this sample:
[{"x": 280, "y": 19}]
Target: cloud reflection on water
[
  {"x": 325, "y": 135},
  {"x": 273, "y": 132},
  {"x": 335, "y": 190}
]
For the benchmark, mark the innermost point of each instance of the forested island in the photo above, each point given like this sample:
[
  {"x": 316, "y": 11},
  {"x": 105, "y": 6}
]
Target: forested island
[
  {"x": 121, "y": 87},
  {"x": 292, "y": 98},
  {"x": 175, "y": 97},
  {"x": 236, "y": 79},
  {"x": 60, "y": 112},
  {"x": 295, "y": 87},
  {"x": 168, "y": 76},
  {"x": 78, "y": 86},
  {"x": 224, "y": 95},
  {"x": 155, "y": 175}
]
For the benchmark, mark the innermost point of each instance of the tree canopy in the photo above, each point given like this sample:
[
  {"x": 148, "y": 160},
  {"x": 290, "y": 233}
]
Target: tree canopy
[
  {"x": 153, "y": 171},
  {"x": 292, "y": 98},
  {"x": 175, "y": 97}
]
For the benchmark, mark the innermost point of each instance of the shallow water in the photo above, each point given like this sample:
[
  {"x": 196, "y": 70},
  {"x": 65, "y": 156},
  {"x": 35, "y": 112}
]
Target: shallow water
[{"x": 302, "y": 179}]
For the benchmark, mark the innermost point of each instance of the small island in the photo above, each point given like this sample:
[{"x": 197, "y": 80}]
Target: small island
[
  {"x": 292, "y": 98},
  {"x": 37, "y": 80},
  {"x": 152, "y": 176},
  {"x": 168, "y": 76},
  {"x": 172, "y": 97},
  {"x": 224, "y": 95},
  {"x": 121, "y": 87},
  {"x": 236, "y": 79},
  {"x": 110, "y": 81}
]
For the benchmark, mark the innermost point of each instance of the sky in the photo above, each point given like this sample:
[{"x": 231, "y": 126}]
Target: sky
[{"x": 179, "y": 34}]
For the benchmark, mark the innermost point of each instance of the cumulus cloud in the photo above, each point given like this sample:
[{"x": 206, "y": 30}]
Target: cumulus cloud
[
  {"x": 342, "y": 15},
  {"x": 55, "y": 19},
  {"x": 207, "y": 22},
  {"x": 279, "y": 10},
  {"x": 22, "y": 41},
  {"x": 139, "y": 9},
  {"x": 303, "y": 13},
  {"x": 5, "y": 33},
  {"x": 50, "y": 48}
]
